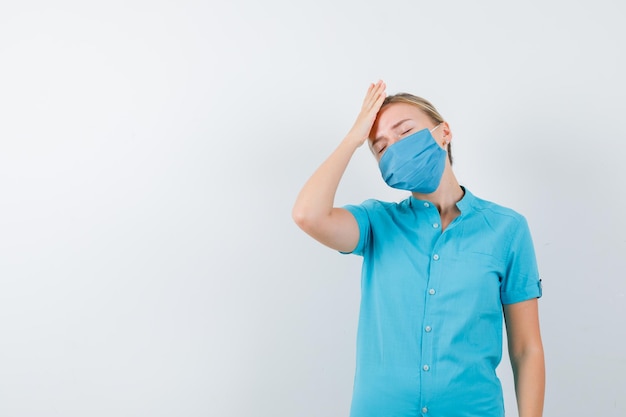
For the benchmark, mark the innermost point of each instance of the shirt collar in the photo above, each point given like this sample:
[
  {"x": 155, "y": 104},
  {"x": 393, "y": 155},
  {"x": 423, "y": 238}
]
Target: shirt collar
[
  {"x": 464, "y": 204},
  {"x": 467, "y": 201}
]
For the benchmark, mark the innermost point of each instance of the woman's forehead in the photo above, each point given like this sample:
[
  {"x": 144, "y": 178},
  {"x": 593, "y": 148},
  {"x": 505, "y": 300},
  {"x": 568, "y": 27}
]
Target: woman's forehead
[{"x": 393, "y": 113}]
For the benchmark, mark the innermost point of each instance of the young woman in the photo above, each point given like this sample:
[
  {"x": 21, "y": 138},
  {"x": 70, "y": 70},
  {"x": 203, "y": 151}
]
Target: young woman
[{"x": 440, "y": 271}]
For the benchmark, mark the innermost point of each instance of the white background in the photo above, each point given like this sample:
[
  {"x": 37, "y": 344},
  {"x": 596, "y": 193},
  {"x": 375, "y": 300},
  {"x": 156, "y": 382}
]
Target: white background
[{"x": 150, "y": 154}]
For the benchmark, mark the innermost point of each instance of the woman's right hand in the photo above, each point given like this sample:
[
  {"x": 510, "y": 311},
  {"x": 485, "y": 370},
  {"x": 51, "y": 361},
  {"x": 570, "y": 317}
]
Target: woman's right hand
[{"x": 371, "y": 105}]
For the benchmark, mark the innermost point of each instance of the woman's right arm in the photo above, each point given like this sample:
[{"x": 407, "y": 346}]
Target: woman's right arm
[{"x": 314, "y": 210}]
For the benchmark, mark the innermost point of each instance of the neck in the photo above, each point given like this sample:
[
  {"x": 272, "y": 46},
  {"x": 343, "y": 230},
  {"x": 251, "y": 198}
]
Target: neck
[{"x": 446, "y": 195}]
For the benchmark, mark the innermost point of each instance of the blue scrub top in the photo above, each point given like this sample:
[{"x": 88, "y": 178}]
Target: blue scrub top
[{"x": 430, "y": 324}]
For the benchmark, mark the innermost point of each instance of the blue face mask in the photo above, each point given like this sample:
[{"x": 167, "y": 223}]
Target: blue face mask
[{"x": 414, "y": 163}]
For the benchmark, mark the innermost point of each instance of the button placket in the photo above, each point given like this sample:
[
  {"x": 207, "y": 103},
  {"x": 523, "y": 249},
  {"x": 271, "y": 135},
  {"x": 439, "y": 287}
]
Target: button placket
[{"x": 434, "y": 275}]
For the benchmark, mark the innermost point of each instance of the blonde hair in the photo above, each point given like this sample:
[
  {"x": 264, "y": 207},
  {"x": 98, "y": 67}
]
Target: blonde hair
[{"x": 421, "y": 103}]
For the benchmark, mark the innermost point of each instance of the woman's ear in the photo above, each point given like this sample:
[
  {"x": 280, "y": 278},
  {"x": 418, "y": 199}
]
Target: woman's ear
[{"x": 446, "y": 133}]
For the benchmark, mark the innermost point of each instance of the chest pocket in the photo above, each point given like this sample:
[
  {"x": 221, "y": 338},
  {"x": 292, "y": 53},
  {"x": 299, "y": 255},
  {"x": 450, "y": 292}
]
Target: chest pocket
[{"x": 472, "y": 278}]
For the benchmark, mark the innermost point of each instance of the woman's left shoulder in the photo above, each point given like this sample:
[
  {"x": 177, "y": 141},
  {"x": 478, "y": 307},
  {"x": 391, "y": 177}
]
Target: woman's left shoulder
[{"x": 496, "y": 210}]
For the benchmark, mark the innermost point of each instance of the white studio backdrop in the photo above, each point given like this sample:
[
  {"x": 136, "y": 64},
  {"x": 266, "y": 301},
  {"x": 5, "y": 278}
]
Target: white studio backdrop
[{"x": 150, "y": 154}]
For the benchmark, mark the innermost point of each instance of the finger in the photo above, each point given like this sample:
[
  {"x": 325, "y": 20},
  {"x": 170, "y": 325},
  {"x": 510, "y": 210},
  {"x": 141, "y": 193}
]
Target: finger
[
  {"x": 376, "y": 98},
  {"x": 377, "y": 87},
  {"x": 367, "y": 96},
  {"x": 369, "y": 93},
  {"x": 380, "y": 97},
  {"x": 373, "y": 94}
]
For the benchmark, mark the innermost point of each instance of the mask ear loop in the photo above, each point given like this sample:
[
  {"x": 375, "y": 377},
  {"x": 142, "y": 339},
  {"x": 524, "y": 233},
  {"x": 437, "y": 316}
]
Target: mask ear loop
[{"x": 435, "y": 128}]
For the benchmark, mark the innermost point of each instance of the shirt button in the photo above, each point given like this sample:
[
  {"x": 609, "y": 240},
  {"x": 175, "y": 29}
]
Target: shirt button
[
  {"x": 428, "y": 329},
  {"x": 426, "y": 205},
  {"x": 425, "y": 410},
  {"x": 431, "y": 291},
  {"x": 426, "y": 368},
  {"x": 435, "y": 225},
  {"x": 436, "y": 257}
]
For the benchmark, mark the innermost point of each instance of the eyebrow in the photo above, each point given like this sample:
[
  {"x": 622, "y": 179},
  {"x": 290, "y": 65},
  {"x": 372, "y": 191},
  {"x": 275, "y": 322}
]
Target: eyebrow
[{"x": 392, "y": 128}]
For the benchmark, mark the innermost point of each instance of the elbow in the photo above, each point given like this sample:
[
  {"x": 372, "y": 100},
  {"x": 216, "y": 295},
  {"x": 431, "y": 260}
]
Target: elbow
[
  {"x": 307, "y": 220},
  {"x": 298, "y": 217},
  {"x": 301, "y": 218}
]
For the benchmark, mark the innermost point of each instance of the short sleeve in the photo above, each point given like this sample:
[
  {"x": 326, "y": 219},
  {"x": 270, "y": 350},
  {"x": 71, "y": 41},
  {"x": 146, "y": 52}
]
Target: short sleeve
[
  {"x": 521, "y": 281},
  {"x": 363, "y": 220}
]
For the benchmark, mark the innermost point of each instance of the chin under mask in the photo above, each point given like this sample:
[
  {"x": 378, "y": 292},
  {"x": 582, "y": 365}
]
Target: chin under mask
[{"x": 414, "y": 163}]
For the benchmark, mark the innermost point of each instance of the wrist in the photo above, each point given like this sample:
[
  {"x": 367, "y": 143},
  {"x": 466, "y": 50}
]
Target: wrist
[{"x": 354, "y": 140}]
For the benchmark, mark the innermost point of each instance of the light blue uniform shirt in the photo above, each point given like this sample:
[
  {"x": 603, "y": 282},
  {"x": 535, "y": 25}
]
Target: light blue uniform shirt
[{"x": 430, "y": 324}]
